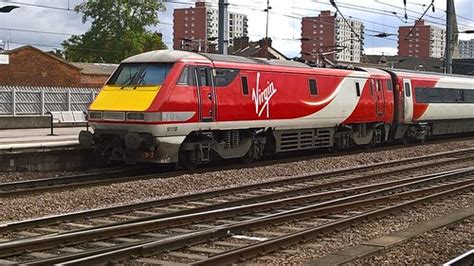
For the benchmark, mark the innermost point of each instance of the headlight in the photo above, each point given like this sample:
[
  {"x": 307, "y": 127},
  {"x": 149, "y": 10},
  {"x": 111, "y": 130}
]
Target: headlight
[
  {"x": 153, "y": 117},
  {"x": 95, "y": 115},
  {"x": 136, "y": 116},
  {"x": 145, "y": 117}
]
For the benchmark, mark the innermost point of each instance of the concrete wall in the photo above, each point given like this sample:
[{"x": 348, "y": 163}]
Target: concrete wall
[{"x": 49, "y": 160}]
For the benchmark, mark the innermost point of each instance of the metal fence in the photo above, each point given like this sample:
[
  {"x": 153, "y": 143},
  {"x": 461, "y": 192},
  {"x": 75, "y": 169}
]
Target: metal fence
[{"x": 20, "y": 100}]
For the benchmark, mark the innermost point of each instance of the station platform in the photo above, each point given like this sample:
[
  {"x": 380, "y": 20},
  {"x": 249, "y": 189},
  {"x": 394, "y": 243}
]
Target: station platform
[
  {"x": 11, "y": 139},
  {"x": 36, "y": 150}
]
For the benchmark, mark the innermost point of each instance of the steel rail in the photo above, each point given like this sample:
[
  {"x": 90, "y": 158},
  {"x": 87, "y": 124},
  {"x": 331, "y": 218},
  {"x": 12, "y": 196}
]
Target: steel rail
[
  {"x": 16, "y": 188},
  {"x": 45, "y": 242},
  {"x": 275, "y": 244},
  {"x": 8, "y": 227},
  {"x": 240, "y": 254},
  {"x": 39, "y": 185}
]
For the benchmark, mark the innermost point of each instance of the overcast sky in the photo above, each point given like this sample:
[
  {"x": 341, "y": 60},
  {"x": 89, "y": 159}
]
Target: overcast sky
[{"x": 285, "y": 20}]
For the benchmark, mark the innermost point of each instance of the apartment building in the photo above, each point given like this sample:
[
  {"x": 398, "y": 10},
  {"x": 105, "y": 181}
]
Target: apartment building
[
  {"x": 424, "y": 41},
  {"x": 332, "y": 37},
  {"x": 196, "y": 28}
]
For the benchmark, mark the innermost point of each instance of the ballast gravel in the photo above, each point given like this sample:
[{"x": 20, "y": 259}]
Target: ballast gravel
[
  {"x": 326, "y": 245},
  {"x": 83, "y": 198},
  {"x": 435, "y": 247}
]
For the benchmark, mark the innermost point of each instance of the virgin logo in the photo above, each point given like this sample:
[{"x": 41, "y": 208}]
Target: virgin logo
[{"x": 262, "y": 98}]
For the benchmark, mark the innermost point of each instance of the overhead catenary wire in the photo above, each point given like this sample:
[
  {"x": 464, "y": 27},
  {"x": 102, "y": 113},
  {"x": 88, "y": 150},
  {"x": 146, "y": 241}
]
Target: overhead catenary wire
[
  {"x": 407, "y": 37},
  {"x": 253, "y": 7}
]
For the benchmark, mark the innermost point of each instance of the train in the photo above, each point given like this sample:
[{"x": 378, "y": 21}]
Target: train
[{"x": 188, "y": 109}]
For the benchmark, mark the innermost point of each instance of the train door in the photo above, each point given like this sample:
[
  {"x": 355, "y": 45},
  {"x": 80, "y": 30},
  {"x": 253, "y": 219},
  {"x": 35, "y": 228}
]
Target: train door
[
  {"x": 408, "y": 101},
  {"x": 379, "y": 99},
  {"x": 206, "y": 94}
]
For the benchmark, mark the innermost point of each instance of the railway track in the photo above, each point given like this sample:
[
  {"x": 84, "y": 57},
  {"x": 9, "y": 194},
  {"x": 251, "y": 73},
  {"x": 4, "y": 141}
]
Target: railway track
[
  {"x": 207, "y": 216},
  {"x": 17, "y": 188}
]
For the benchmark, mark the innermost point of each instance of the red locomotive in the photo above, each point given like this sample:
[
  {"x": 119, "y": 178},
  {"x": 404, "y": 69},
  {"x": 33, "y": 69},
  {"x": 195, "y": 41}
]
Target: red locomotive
[{"x": 189, "y": 108}]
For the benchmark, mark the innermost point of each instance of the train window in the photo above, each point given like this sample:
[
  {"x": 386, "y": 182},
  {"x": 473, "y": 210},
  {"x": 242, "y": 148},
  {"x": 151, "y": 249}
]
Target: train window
[
  {"x": 372, "y": 87},
  {"x": 379, "y": 85},
  {"x": 358, "y": 89},
  {"x": 444, "y": 95},
  {"x": 187, "y": 77},
  {"x": 407, "y": 89},
  {"x": 389, "y": 85},
  {"x": 140, "y": 74},
  {"x": 224, "y": 77},
  {"x": 245, "y": 86},
  {"x": 469, "y": 96},
  {"x": 203, "y": 77},
  {"x": 313, "y": 87},
  {"x": 421, "y": 95}
]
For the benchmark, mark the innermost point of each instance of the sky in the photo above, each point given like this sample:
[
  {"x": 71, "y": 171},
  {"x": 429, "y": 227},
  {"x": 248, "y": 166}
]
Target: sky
[{"x": 23, "y": 26}]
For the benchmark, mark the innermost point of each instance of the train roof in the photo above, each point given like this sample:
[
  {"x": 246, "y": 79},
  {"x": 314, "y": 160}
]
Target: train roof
[
  {"x": 163, "y": 56},
  {"x": 254, "y": 60},
  {"x": 166, "y": 56},
  {"x": 407, "y": 71}
]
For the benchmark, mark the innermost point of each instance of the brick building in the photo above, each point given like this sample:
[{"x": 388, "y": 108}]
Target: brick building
[
  {"x": 30, "y": 66},
  {"x": 196, "y": 28},
  {"x": 328, "y": 34},
  {"x": 425, "y": 41}
]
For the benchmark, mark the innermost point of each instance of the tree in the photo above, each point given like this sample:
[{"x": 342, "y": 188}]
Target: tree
[{"x": 118, "y": 30}]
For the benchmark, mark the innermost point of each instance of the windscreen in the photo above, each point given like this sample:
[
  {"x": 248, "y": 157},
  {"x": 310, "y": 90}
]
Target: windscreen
[{"x": 140, "y": 74}]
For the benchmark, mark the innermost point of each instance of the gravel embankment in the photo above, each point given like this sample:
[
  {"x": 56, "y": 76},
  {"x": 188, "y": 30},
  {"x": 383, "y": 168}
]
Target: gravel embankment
[
  {"x": 50, "y": 203},
  {"x": 405, "y": 254},
  {"x": 27, "y": 175},
  {"x": 435, "y": 247}
]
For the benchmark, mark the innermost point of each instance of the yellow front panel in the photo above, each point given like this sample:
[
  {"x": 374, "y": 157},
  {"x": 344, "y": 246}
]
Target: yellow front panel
[{"x": 127, "y": 99}]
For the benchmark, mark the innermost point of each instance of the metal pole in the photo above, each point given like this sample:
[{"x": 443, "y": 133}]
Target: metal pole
[
  {"x": 13, "y": 101},
  {"x": 449, "y": 36},
  {"x": 268, "y": 18},
  {"x": 68, "y": 100},
  {"x": 42, "y": 101},
  {"x": 223, "y": 26}
]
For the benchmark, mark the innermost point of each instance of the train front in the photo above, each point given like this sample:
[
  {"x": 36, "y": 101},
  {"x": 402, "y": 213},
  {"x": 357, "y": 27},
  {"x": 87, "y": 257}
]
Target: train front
[{"x": 126, "y": 118}]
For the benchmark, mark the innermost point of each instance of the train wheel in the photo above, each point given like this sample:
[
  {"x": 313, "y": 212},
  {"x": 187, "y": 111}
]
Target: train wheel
[
  {"x": 250, "y": 156},
  {"x": 188, "y": 160},
  {"x": 405, "y": 140}
]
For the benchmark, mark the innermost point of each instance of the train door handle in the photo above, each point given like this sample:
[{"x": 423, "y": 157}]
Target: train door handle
[{"x": 209, "y": 96}]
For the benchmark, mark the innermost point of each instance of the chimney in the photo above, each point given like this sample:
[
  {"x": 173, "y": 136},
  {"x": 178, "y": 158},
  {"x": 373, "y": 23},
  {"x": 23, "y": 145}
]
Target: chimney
[
  {"x": 240, "y": 43},
  {"x": 325, "y": 13},
  {"x": 265, "y": 43}
]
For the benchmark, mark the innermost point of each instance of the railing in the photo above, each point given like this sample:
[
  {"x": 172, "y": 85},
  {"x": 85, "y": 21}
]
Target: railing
[{"x": 20, "y": 100}]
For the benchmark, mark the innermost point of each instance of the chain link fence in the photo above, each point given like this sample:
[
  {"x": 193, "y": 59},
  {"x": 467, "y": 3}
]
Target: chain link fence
[{"x": 20, "y": 100}]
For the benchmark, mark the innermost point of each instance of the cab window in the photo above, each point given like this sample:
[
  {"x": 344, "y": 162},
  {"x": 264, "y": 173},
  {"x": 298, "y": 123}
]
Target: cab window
[{"x": 140, "y": 74}]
